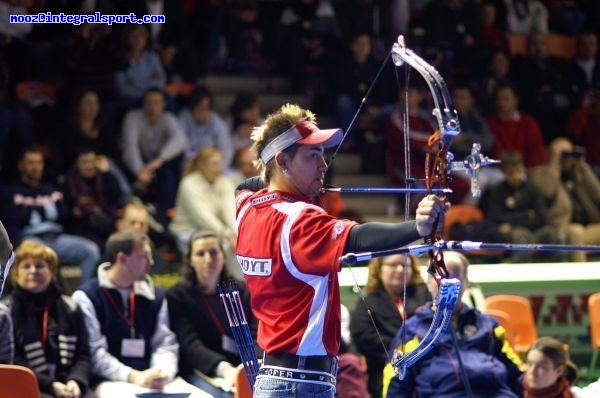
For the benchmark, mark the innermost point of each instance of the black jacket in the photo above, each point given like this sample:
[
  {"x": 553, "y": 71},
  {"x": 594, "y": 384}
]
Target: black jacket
[
  {"x": 66, "y": 348},
  {"x": 388, "y": 321},
  {"x": 200, "y": 337}
]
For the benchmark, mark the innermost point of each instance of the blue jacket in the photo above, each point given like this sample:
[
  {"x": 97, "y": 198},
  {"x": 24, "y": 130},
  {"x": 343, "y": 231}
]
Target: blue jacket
[{"x": 491, "y": 365}]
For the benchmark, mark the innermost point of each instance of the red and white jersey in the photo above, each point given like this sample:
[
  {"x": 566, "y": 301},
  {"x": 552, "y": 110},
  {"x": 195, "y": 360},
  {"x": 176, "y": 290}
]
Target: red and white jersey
[{"x": 288, "y": 250}]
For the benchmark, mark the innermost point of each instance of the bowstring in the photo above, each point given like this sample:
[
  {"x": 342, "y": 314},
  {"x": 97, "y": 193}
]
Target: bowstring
[
  {"x": 407, "y": 197},
  {"x": 331, "y": 159}
]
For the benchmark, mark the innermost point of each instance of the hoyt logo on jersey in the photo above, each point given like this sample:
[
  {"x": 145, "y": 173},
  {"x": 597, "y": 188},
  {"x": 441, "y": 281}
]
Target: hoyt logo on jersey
[
  {"x": 338, "y": 228},
  {"x": 255, "y": 266}
]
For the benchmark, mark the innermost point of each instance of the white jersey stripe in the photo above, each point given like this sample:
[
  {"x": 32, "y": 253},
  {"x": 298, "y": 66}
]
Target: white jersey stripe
[{"x": 312, "y": 339}]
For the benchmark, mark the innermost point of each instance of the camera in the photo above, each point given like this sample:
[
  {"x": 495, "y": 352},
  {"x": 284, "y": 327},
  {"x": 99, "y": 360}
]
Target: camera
[{"x": 575, "y": 154}]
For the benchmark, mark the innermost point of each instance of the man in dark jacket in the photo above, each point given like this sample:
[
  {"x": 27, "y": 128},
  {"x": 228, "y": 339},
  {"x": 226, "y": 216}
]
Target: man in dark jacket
[{"x": 36, "y": 211}]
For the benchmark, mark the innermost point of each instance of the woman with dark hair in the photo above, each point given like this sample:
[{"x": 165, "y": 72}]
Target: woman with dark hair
[
  {"x": 50, "y": 336},
  {"x": 388, "y": 306},
  {"x": 197, "y": 315},
  {"x": 549, "y": 371},
  {"x": 88, "y": 128}
]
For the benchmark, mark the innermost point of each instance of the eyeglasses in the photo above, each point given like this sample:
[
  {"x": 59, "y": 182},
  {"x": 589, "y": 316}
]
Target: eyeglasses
[
  {"x": 394, "y": 265},
  {"x": 38, "y": 265}
]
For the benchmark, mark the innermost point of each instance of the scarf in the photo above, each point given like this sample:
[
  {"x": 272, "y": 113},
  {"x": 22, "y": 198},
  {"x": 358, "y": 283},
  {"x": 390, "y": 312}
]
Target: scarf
[{"x": 560, "y": 389}]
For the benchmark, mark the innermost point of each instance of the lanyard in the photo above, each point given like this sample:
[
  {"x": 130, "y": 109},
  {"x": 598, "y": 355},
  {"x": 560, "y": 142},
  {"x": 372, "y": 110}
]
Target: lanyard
[
  {"x": 45, "y": 326},
  {"x": 130, "y": 320},
  {"x": 213, "y": 316}
]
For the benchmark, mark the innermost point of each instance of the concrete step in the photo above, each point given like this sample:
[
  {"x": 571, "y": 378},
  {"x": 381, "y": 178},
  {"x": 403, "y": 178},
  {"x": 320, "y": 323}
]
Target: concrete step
[
  {"x": 230, "y": 84},
  {"x": 268, "y": 102}
]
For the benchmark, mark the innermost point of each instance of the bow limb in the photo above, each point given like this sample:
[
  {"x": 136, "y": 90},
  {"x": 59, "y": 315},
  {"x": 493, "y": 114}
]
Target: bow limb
[
  {"x": 445, "y": 302},
  {"x": 437, "y": 176}
]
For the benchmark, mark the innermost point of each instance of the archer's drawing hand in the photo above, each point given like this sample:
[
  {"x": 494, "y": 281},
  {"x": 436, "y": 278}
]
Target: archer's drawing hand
[{"x": 429, "y": 209}]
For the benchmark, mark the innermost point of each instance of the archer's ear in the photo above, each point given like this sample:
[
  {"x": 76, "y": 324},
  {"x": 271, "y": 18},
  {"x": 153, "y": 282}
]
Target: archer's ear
[{"x": 282, "y": 159}]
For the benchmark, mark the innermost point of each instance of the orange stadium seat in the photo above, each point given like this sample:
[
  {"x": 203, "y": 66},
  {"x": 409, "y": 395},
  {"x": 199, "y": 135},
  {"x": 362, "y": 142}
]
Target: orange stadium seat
[
  {"x": 504, "y": 319},
  {"x": 462, "y": 214},
  {"x": 242, "y": 389},
  {"x": 18, "y": 382},
  {"x": 559, "y": 46},
  {"x": 594, "y": 312},
  {"x": 524, "y": 330}
]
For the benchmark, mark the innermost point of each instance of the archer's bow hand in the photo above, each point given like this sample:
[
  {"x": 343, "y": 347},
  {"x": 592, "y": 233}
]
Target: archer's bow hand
[{"x": 428, "y": 211}]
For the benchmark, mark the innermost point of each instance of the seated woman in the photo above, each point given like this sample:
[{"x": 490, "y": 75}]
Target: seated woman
[
  {"x": 50, "y": 336},
  {"x": 388, "y": 306},
  {"x": 198, "y": 317},
  {"x": 206, "y": 201},
  {"x": 549, "y": 372}
]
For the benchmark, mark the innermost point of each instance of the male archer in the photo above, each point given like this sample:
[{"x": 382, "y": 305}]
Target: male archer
[{"x": 289, "y": 248}]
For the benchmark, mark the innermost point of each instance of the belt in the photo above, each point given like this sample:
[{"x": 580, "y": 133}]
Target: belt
[
  {"x": 302, "y": 376},
  {"x": 319, "y": 363}
]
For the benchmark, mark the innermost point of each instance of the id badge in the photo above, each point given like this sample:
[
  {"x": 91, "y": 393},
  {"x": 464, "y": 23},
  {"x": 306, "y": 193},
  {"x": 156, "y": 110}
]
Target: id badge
[
  {"x": 133, "y": 348},
  {"x": 228, "y": 344}
]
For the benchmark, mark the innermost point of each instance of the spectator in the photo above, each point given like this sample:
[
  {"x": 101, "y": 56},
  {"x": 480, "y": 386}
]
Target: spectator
[
  {"x": 93, "y": 197},
  {"x": 585, "y": 63},
  {"x": 352, "y": 79},
  {"x": 245, "y": 116},
  {"x": 474, "y": 129},
  {"x": 243, "y": 165},
  {"x": 370, "y": 17},
  {"x": 491, "y": 38},
  {"x": 473, "y": 126},
  {"x": 392, "y": 280},
  {"x": 572, "y": 192},
  {"x": 136, "y": 217},
  {"x": 153, "y": 142},
  {"x": 16, "y": 123},
  {"x": 421, "y": 128},
  {"x": 546, "y": 370},
  {"x": 491, "y": 366},
  {"x": 198, "y": 316},
  {"x": 496, "y": 75},
  {"x": 307, "y": 41},
  {"x": 127, "y": 320},
  {"x": 516, "y": 207},
  {"x": 49, "y": 331},
  {"x": 92, "y": 56},
  {"x": 205, "y": 199},
  {"x": 6, "y": 256},
  {"x": 204, "y": 127},
  {"x": 37, "y": 211},
  {"x": 7, "y": 344},
  {"x": 526, "y": 16},
  {"x": 583, "y": 124},
  {"x": 143, "y": 71},
  {"x": 545, "y": 85},
  {"x": 515, "y": 130},
  {"x": 244, "y": 40},
  {"x": 89, "y": 127}
]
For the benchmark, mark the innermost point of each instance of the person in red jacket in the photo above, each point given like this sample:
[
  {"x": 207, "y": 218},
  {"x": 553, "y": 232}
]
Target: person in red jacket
[{"x": 515, "y": 130}]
